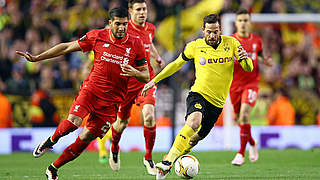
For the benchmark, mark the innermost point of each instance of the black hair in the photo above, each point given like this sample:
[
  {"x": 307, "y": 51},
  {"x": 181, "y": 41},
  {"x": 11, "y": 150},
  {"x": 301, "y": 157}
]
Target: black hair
[
  {"x": 211, "y": 19},
  {"x": 132, "y": 2},
  {"x": 118, "y": 12},
  {"x": 242, "y": 11}
]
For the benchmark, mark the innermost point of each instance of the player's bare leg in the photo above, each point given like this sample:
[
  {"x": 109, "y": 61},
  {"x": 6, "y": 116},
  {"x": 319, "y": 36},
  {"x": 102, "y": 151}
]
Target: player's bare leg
[
  {"x": 149, "y": 136},
  {"x": 117, "y": 129},
  {"x": 65, "y": 127},
  {"x": 245, "y": 137},
  {"x": 70, "y": 153}
]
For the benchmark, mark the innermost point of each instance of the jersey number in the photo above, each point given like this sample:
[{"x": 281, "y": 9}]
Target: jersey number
[
  {"x": 252, "y": 95},
  {"x": 105, "y": 128},
  {"x": 154, "y": 92}
]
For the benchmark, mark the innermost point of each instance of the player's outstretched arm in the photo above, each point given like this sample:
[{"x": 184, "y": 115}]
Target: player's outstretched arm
[
  {"x": 141, "y": 73},
  {"x": 166, "y": 72},
  {"x": 57, "y": 50}
]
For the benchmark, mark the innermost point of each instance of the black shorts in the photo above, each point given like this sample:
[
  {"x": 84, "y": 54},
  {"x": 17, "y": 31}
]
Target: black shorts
[{"x": 210, "y": 113}]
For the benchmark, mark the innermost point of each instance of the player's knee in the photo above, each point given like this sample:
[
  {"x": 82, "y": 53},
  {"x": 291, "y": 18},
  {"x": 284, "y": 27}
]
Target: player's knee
[
  {"x": 148, "y": 119},
  {"x": 244, "y": 118},
  {"x": 86, "y": 135},
  {"x": 124, "y": 123},
  {"x": 76, "y": 120},
  {"x": 194, "y": 120},
  {"x": 245, "y": 113}
]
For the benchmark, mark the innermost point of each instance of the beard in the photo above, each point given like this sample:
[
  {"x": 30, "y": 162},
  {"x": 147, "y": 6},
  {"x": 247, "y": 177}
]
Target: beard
[
  {"x": 117, "y": 35},
  {"x": 212, "y": 42}
]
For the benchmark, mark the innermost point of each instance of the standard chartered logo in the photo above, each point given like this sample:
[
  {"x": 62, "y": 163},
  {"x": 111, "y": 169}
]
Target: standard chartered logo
[
  {"x": 113, "y": 58},
  {"x": 112, "y": 55}
]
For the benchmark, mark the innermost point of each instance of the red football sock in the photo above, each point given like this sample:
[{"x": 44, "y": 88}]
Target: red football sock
[
  {"x": 149, "y": 137},
  {"x": 244, "y": 137},
  {"x": 71, "y": 152},
  {"x": 116, "y": 136},
  {"x": 64, "y": 128},
  {"x": 251, "y": 140}
]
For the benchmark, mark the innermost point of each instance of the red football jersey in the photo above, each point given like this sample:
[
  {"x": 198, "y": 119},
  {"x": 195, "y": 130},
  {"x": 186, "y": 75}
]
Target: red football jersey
[
  {"x": 145, "y": 33},
  {"x": 104, "y": 79},
  {"x": 241, "y": 78}
]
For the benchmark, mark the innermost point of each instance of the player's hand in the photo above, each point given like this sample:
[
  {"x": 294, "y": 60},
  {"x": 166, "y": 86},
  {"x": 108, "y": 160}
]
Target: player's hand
[
  {"x": 268, "y": 61},
  {"x": 27, "y": 56},
  {"x": 194, "y": 139},
  {"x": 148, "y": 86},
  {"x": 160, "y": 62},
  {"x": 242, "y": 53},
  {"x": 128, "y": 70}
]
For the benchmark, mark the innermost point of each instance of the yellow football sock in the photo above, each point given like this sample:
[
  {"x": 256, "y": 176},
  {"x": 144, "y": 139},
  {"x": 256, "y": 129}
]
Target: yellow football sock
[
  {"x": 188, "y": 147},
  {"x": 180, "y": 143},
  {"x": 109, "y": 135},
  {"x": 102, "y": 147}
]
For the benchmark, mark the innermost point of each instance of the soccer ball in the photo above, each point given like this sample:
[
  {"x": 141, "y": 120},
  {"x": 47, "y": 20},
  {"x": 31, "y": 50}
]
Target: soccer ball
[{"x": 187, "y": 166}]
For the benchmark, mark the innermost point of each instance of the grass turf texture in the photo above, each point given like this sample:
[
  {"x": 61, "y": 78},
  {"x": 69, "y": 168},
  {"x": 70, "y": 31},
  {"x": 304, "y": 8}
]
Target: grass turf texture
[{"x": 273, "y": 164}]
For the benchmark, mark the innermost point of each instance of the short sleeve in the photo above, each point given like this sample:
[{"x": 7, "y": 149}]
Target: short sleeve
[
  {"x": 153, "y": 29},
  {"x": 88, "y": 41},
  {"x": 140, "y": 59},
  {"x": 188, "y": 52}
]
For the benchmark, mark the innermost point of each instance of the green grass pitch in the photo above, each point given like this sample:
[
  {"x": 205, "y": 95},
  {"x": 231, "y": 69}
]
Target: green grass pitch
[{"x": 273, "y": 164}]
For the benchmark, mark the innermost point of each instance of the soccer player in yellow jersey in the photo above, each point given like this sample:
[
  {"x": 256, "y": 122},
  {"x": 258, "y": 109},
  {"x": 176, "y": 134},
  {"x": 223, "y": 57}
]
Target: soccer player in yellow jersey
[{"x": 214, "y": 57}]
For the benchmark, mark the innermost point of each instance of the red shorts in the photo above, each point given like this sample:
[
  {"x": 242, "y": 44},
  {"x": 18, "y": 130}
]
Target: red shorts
[
  {"x": 136, "y": 98},
  {"x": 102, "y": 113},
  {"x": 246, "y": 95}
]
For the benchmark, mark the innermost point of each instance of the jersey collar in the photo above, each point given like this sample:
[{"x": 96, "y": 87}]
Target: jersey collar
[
  {"x": 137, "y": 27},
  {"x": 243, "y": 38},
  {"x": 115, "y": 40}
]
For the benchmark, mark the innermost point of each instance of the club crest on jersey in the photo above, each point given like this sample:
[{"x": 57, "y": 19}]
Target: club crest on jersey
[
  {"x": 83, "y": 37},
  {"x": 202, "y": 61},
  {"x": 127, "y": 51},
  {"x": 76, "y": 108},
  {"x": 198, "y": 106},
  {"x": 226, "y": 48}
]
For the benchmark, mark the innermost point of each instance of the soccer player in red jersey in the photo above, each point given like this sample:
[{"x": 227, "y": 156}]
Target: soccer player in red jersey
[
  {"x": 145, "y": 31},
  {"x": 118, "y": 56},
  {"x": 244, "y": 87}
]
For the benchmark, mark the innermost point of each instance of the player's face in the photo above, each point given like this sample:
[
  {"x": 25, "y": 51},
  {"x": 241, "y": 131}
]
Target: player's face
[
  {"x": 119, "y": 27},
  {"x": 243, "y": 23},
  {"x": 138, "y": 13},
  {"x": 212, "y": 33}
]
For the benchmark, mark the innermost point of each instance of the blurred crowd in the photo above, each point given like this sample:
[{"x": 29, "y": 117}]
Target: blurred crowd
[{"x": 36, "y": 25}]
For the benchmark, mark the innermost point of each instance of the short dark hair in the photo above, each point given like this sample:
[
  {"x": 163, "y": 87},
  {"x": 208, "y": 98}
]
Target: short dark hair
[
  {"x": 132, "y": 2},
  {"x": 118, "y": 12},
  {"x": 211, "y": 19},
  {"x": 242, "y": 11}
]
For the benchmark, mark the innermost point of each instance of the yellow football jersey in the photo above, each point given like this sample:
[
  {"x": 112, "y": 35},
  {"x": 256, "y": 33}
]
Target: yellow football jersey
[{"x": 213, "y": 67}]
